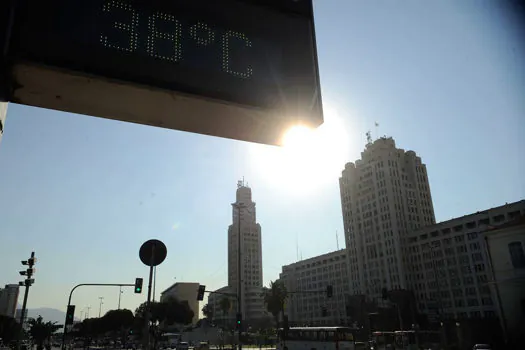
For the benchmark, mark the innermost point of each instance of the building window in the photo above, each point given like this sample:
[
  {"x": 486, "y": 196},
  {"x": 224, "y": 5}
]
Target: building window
[
  {"x": 490, "y": 314},
  {"x": 517, "y": 256}
]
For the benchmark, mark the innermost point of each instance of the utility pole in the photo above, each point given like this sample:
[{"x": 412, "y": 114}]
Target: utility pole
[
  {"x": 88, "y": 308},
  {"x": 100, "y": 307},
  {"x": 27, "y": 283}
]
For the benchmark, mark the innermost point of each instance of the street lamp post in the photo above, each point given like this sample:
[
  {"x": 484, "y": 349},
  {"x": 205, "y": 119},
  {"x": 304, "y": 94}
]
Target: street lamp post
[
  {"x": 29, "y": 272},
  {"x": 239, "y": 267},
  {"x": 100, "y": 306},
  {"x": 119, "y": 295}
]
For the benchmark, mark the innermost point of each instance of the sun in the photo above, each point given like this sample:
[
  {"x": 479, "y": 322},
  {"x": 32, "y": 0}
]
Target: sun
[{"x": 309, "y": 158}]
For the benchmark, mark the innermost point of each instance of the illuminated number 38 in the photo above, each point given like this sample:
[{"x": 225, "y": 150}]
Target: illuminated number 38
[{"x": 196, "y": 33}]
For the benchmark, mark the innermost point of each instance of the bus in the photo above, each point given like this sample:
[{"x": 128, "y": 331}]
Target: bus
[
  {"x": 170, "y": 340},
  {"x": 316, "y": 338},
  {"x": 383, "y": 340},
  {"x": 414, "y": 340}
]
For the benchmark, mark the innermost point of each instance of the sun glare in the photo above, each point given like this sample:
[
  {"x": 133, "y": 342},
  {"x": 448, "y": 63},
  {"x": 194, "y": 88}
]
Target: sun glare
[
  {"x": 308, "y": 159},
  {"x": 297, "y": 136}
]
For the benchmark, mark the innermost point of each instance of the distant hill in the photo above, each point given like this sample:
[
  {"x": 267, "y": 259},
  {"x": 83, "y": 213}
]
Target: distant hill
[{"x": 48, "y": 314}]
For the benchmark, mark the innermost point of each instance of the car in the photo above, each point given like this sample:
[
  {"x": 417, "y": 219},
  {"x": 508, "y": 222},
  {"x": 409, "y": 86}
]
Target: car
[
  {"x": 204, "y": 345},
  {"x": 481, "y": 347},
  {"x": 183, "y": 346}
]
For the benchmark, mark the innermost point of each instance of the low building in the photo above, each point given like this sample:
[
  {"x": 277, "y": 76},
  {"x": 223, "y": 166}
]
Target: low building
[
  {"x": 448, "y": 268},
  {"x": 223, "y": 313},
  {"x": 506, "y": 251},
  {"x": 184, "y": 291},
  {"x": 306, "y": 282},
  {"x": 9, "y": 300}
]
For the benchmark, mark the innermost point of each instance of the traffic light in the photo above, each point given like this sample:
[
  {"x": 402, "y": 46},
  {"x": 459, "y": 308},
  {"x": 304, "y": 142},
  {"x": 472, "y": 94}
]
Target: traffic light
[
  {"x": 138, "y": 285},
  {"x": 384, "y": 294},
  {"x": 239, "y": 320},
  {"x": 329, "y": 291},
  {"x": 30, "y": 271},
  {"x": 70, "y": 314},
  {"x": 200, "y": 293}
]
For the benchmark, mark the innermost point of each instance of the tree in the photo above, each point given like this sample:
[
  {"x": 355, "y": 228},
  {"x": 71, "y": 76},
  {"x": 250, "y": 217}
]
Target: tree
[
  {"x": 274, "y": 299},
  {"x": 169, "y": 311},
  {"x": 88, "y": 328},
  {"x": 207, "y": 311},
  {"x": 116, "y": 320},
  {"x": 41, "y": 331}
]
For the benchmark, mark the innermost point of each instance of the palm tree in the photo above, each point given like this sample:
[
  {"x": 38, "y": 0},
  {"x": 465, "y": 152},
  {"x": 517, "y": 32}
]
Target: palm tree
[
  {"x": 41, "y": 331},
  {"x": 274, "y": 298}
]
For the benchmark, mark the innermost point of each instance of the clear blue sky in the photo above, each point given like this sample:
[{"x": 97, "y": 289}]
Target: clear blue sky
[{"x": 444, "y": 78}]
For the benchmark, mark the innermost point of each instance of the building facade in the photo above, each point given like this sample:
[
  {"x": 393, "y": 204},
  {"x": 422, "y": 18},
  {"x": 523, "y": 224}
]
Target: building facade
[
  {"x": 505, "y": 247},
  {"x": 244, "y": 223},
  {"x": 244, "y": 226},
  {"x": 9, "y": 300},
  {"x": 184, "y": 291},
  {"x": 307, "y": 280},
  {"x": 223, "y": 313},
  {"x": 448, "y": 267},
  {"x": 384, "y": 195}
]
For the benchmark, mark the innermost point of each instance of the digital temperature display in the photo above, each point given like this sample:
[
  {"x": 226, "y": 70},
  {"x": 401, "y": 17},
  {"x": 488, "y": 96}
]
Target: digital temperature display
[
  {"x": 243, "y": 52},
  {"x": 163, "y": 36}
]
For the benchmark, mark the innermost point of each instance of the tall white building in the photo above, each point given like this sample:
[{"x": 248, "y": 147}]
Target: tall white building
[
  {"x": 9, "y": 300},
  {"x": 384, "y": 195},
  {"x": 244, "y": 225},
  {"x": 244, "y": 222},
  {"x": 308, "y": 280}
]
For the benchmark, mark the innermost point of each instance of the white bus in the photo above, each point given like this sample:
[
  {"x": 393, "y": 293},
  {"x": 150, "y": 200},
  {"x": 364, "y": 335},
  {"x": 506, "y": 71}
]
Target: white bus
[
  {"x": 317, "y": 338},
  {"x": 170, "y": 340}
]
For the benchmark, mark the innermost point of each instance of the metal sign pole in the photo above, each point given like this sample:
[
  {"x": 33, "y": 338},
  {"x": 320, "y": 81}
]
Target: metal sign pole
[
  {"x": 148, "y": 313},
  {"x": 151, "y": 253}
]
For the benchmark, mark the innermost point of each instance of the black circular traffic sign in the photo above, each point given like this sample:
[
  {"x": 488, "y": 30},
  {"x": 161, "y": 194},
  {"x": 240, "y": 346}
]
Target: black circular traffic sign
[{"x": 153, "y": 252}]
